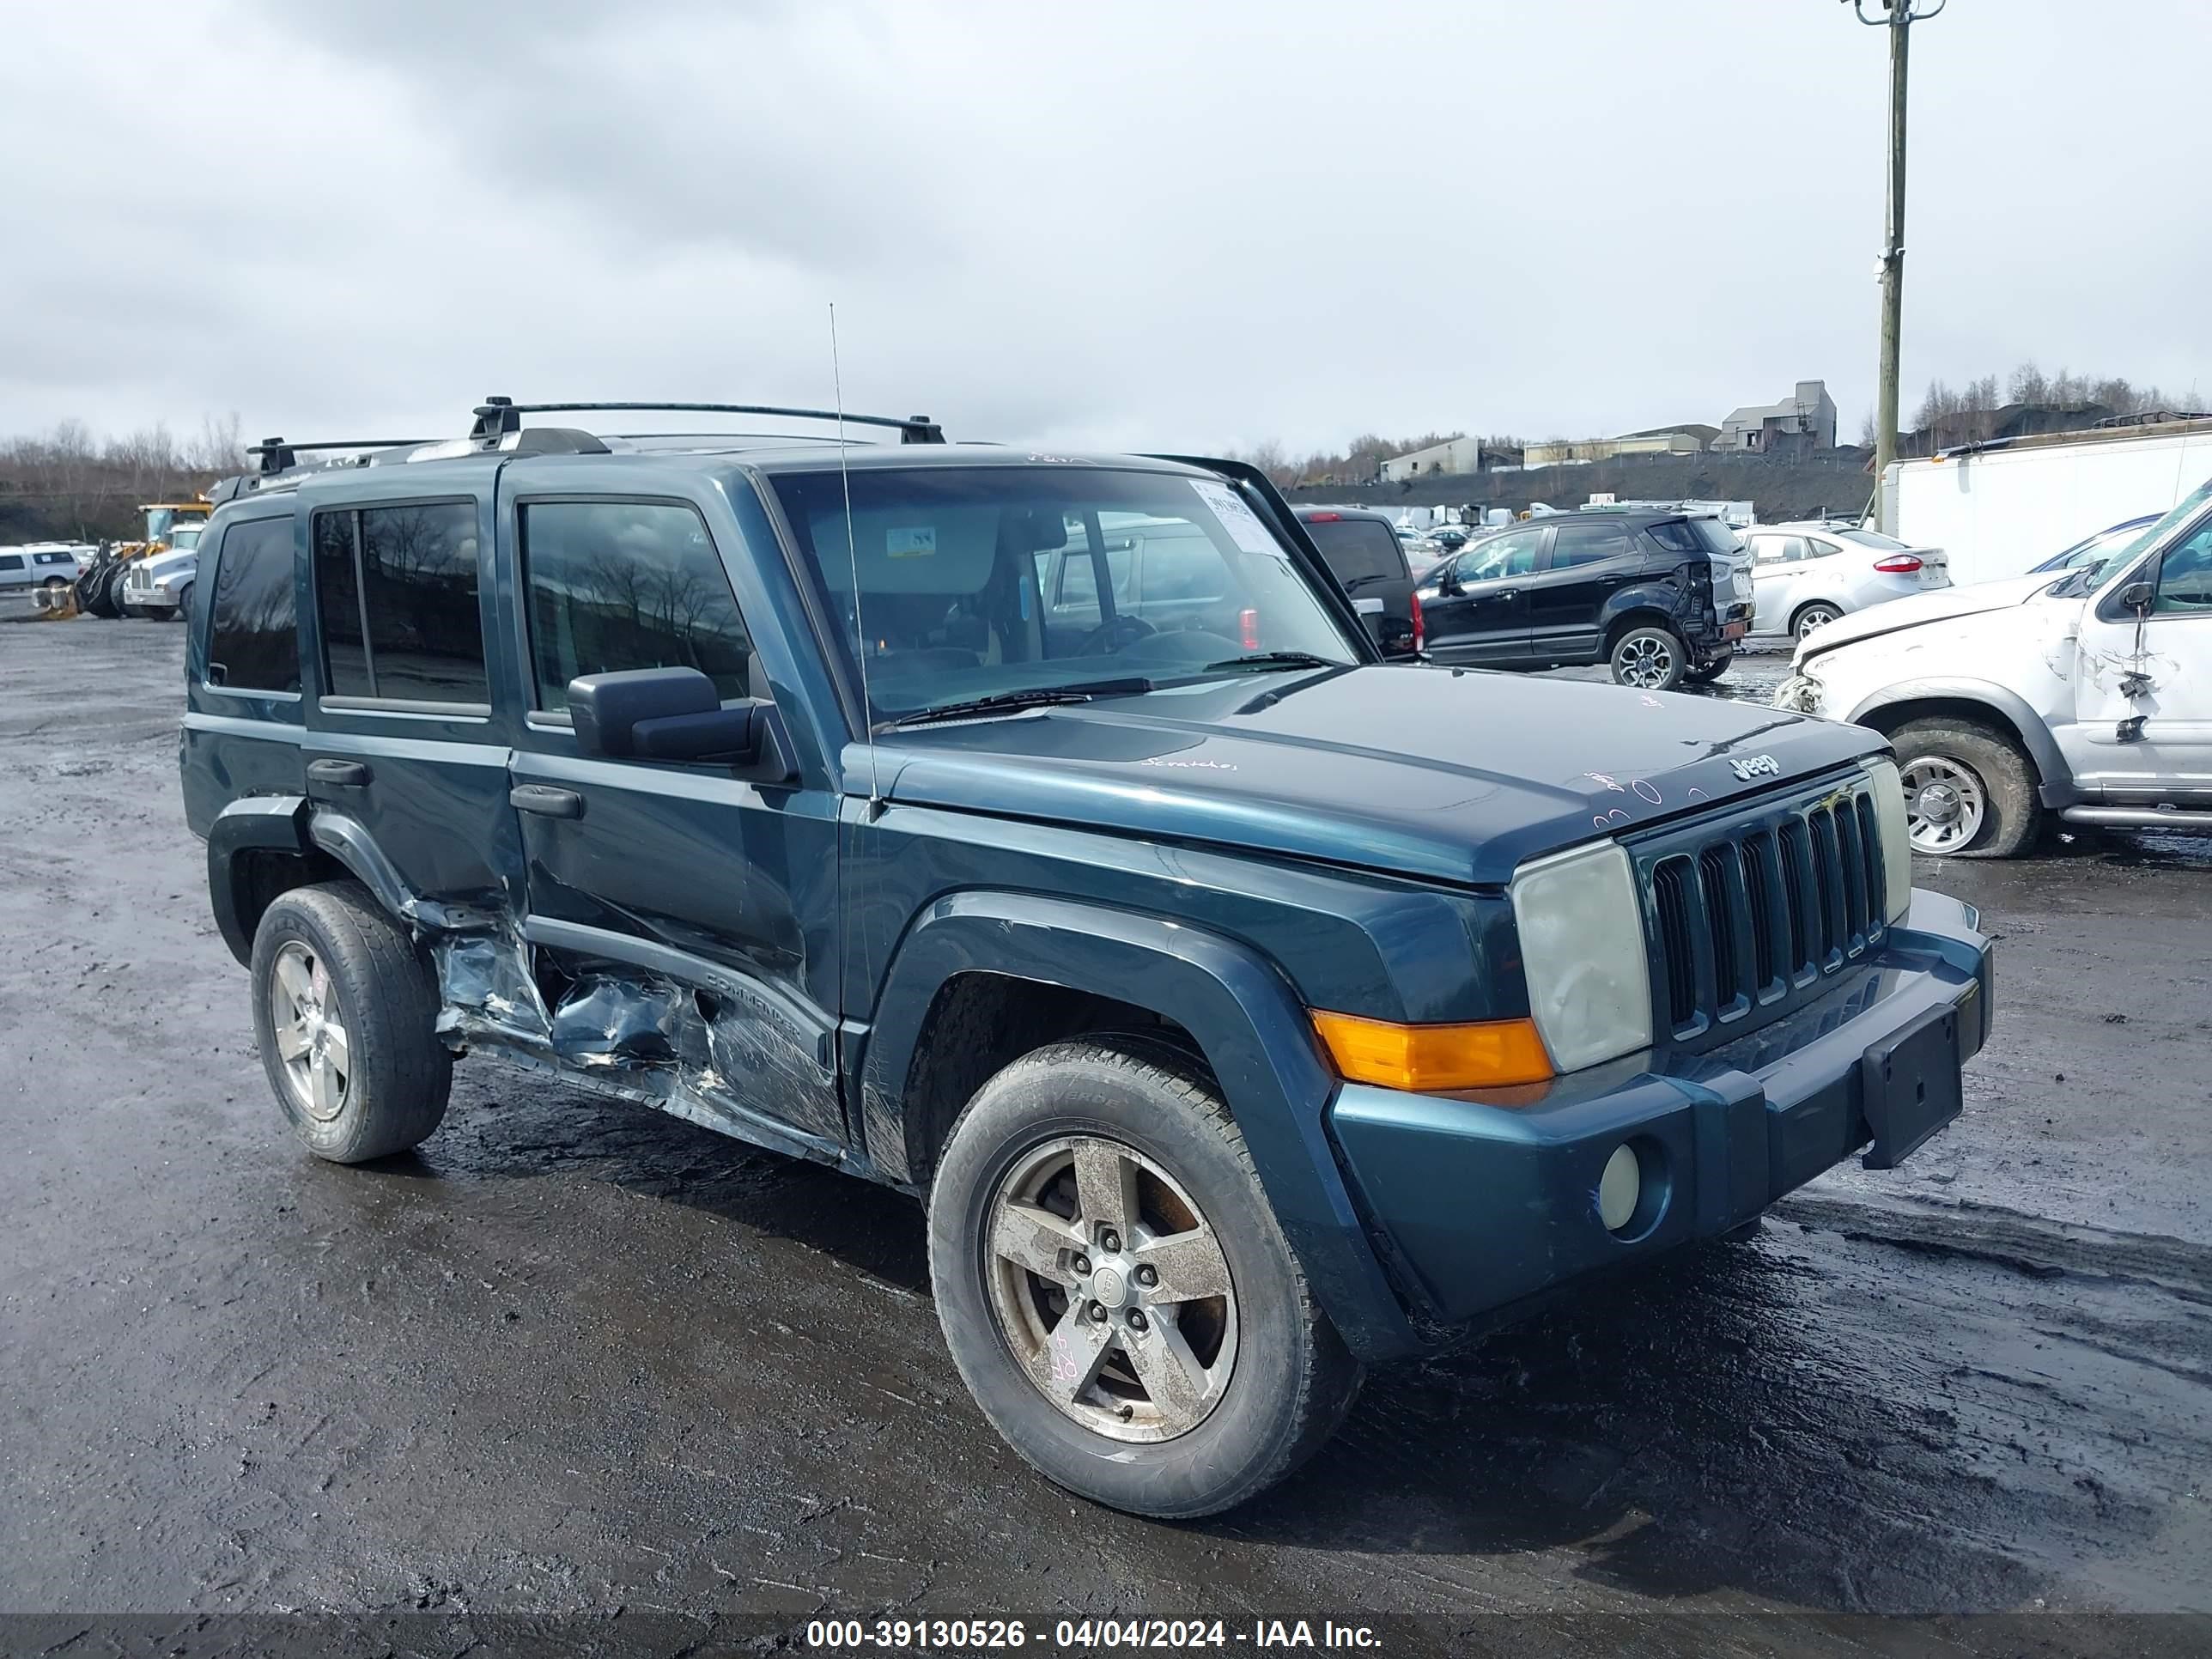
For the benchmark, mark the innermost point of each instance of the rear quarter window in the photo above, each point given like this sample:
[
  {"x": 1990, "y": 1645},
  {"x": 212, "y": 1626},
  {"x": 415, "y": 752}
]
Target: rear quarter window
[
  {"x": 1696, "y": 536},
  {"x": 253, "y": 636}
]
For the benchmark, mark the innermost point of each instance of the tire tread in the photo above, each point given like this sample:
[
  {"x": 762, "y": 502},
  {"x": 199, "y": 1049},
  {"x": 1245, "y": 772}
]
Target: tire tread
[
  {"x": 1328, "y": 1377},
  {"x": 408, "y": 1071}
]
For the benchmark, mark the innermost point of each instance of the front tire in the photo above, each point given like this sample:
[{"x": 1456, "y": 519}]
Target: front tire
[
  {"x": 1116, "y": 1291},
  {"x": 345, "y": 1010},
  {"x": 1969, "y": 792},
  {"x": 1651, "y": 657}
]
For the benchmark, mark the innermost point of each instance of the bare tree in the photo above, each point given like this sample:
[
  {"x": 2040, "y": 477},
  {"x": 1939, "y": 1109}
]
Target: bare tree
[{"x": 221, "y": 445}]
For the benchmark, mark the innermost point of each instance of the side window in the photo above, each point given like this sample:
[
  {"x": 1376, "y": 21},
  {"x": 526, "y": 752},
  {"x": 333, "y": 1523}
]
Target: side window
[
  {"x": 1513, "y": 554},
  {"x": 2185, "y": 577},
  {"x": 396, "y": 593},
  {"x": 253, "y": 639},
  {"x": 337, "y": 607},
  {"x": 1817, "y": 548},
  {"x": 1079, "y": 575},
  {"x": 1180, "y": 566},
  {"x": 1777, "y": 549},
  {"x": 617, "y": 585},
  {"x": 1588, "y": 544},
  {"x": 11, "y": 560}
]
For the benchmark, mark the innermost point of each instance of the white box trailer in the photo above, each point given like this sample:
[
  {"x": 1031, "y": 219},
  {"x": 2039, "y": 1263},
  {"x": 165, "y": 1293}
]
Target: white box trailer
[{"x": 1998, "y": 509}]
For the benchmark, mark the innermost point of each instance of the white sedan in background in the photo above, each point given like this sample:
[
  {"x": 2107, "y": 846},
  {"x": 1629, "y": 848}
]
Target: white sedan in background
[{"x": 1803, "y": 576}]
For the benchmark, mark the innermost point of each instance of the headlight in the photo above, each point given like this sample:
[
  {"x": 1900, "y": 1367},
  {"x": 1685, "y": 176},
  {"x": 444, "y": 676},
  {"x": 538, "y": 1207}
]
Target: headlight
[
  {"x": 1896, "y": 838},
  {"x": 1800, "y": 694},
  {"x": 1581, "y": 947}
]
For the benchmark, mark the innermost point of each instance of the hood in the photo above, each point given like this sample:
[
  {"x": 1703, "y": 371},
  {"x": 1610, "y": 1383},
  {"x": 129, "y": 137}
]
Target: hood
[
  {"x": 176, "y": 560},
  {"x": 1942, "y": 605},
  {"x": 1447, "y": 774}
]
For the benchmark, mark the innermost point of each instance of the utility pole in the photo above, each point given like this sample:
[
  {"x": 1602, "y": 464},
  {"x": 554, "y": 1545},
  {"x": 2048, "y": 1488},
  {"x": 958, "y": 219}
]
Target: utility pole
[{"x": 1898, "y": 17}]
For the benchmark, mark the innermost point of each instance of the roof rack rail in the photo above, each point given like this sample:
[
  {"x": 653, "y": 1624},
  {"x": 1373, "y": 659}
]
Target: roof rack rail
[
  {"x": 278, "y": 456},
  {"x": 497, "y": 416}
]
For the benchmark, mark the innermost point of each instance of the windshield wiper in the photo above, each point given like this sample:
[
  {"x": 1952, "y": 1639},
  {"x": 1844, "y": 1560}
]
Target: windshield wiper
[
  {"x": 1011, "y": 702},
  {"x": 1274, "y": 660}
]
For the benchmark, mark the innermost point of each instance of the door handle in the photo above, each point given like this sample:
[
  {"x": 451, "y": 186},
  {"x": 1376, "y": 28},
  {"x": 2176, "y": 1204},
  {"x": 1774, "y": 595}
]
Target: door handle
[
  {"x": 545, "y": 800},
  {"x": 350, "y": 773},
  {"x": 1510, "y": 594}
]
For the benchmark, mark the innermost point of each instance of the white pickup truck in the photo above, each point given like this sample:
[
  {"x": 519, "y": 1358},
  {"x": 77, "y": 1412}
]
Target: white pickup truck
[{"x": 2088, "y": 694}]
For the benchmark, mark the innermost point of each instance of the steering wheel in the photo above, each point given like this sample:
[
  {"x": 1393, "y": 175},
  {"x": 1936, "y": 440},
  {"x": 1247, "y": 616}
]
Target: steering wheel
[{"x": 1109, "y": 636}]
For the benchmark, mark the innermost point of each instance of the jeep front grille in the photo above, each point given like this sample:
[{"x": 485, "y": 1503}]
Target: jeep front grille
[{"x": 1754, "y": 911}]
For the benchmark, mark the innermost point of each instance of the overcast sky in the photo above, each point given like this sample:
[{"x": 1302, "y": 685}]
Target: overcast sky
[{"x": 1137, "y": 226}]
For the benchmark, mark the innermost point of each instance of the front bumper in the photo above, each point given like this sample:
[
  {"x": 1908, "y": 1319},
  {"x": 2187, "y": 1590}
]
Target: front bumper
[
  {"x": 153, "y": 599},
  {"x": 1483, "y": 1203}
]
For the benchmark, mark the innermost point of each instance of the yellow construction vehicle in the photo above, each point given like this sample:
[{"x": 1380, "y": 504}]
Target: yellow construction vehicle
[{"x": 168, "y": 524}]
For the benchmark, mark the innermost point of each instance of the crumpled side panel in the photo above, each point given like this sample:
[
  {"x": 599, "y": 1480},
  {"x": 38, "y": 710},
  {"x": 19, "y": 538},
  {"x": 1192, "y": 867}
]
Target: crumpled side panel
[
  {"x": 719, "y": 1058},
  {"x": 633, "y": 1024},
  {"x": 753, "y": 1062},
  {"x": 484, "y": 979}
]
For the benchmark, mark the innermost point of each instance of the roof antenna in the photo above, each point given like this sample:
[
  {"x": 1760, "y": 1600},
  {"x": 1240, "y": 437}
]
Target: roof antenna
[{"x": 853, "y": 555}]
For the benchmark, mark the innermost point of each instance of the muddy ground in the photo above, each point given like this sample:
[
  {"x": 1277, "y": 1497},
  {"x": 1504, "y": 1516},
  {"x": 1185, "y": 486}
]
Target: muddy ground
[{"x": 574, "y": 1358}]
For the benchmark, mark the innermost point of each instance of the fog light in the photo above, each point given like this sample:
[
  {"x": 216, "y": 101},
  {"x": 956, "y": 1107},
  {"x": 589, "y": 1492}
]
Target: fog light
[{"x": 1619, "y": 1189}]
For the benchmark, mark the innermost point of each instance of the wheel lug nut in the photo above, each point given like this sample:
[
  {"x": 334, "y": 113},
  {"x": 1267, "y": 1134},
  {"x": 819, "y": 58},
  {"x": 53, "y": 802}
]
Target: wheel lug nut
[
  {"x": 1098, "y": 1313},
  {"x": 1148, "y": 1276},
  {"x": 1109, "y": 1241},
  {"x": 1137, "y": 1320},
  {"x": 1081, "y": 1264}
]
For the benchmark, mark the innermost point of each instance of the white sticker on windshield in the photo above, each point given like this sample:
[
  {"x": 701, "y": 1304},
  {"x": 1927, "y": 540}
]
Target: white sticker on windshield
[
  {"x": 1244, "y": 526},
  {"x": 910, "y": 541}
]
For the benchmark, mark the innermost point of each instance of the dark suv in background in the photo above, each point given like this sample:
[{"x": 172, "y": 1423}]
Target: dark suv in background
[
  {"x": 1659, "y": 597},
  {"x": 1362, "y": 549}
]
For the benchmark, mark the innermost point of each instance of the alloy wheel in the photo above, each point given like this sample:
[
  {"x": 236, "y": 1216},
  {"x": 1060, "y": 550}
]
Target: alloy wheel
[
  {"x": 1111, "y": 1289},
  {"x": 1645, "y": 662},
  {"x": 1815, "y": 618},
  {"x": 310, "y": 1032},
  {"x": 1945, "y": 803}
]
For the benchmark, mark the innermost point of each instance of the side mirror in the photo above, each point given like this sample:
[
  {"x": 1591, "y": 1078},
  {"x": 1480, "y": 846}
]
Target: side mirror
[
  {"x": 663, "y": 714},
  {"x": 2138, "y": 596}
]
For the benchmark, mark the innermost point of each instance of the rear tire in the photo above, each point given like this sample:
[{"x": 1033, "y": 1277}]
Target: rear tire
[
  {"x": 1969, "y": 791},
  {"x": 1176, "y": 1403},
  {"x": 345, "y": 1010},
  {"x": 1706, "y": 672},
  {"x": 1650, "y": 657},
  {"x": 1812, "y": 617}
]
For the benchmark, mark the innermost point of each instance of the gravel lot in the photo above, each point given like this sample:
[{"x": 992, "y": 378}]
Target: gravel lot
[{"x": 578, "y": 1357}]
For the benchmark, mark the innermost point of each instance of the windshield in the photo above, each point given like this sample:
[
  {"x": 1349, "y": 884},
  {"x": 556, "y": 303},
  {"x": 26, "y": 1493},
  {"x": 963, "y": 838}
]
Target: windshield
[
  {"x": 980, "y": 582},
  {"x": 1873, "y": 538},
  {"x": 2092, "y": 577}
]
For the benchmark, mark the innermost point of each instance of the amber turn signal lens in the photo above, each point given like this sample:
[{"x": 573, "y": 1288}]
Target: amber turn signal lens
[{"x": 1428, "y": 1059}]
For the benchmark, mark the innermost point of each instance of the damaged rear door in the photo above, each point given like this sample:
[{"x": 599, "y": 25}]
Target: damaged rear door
[
  {"x": 681, "y": 917},
  {"x": 2143, "y": 699}
]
